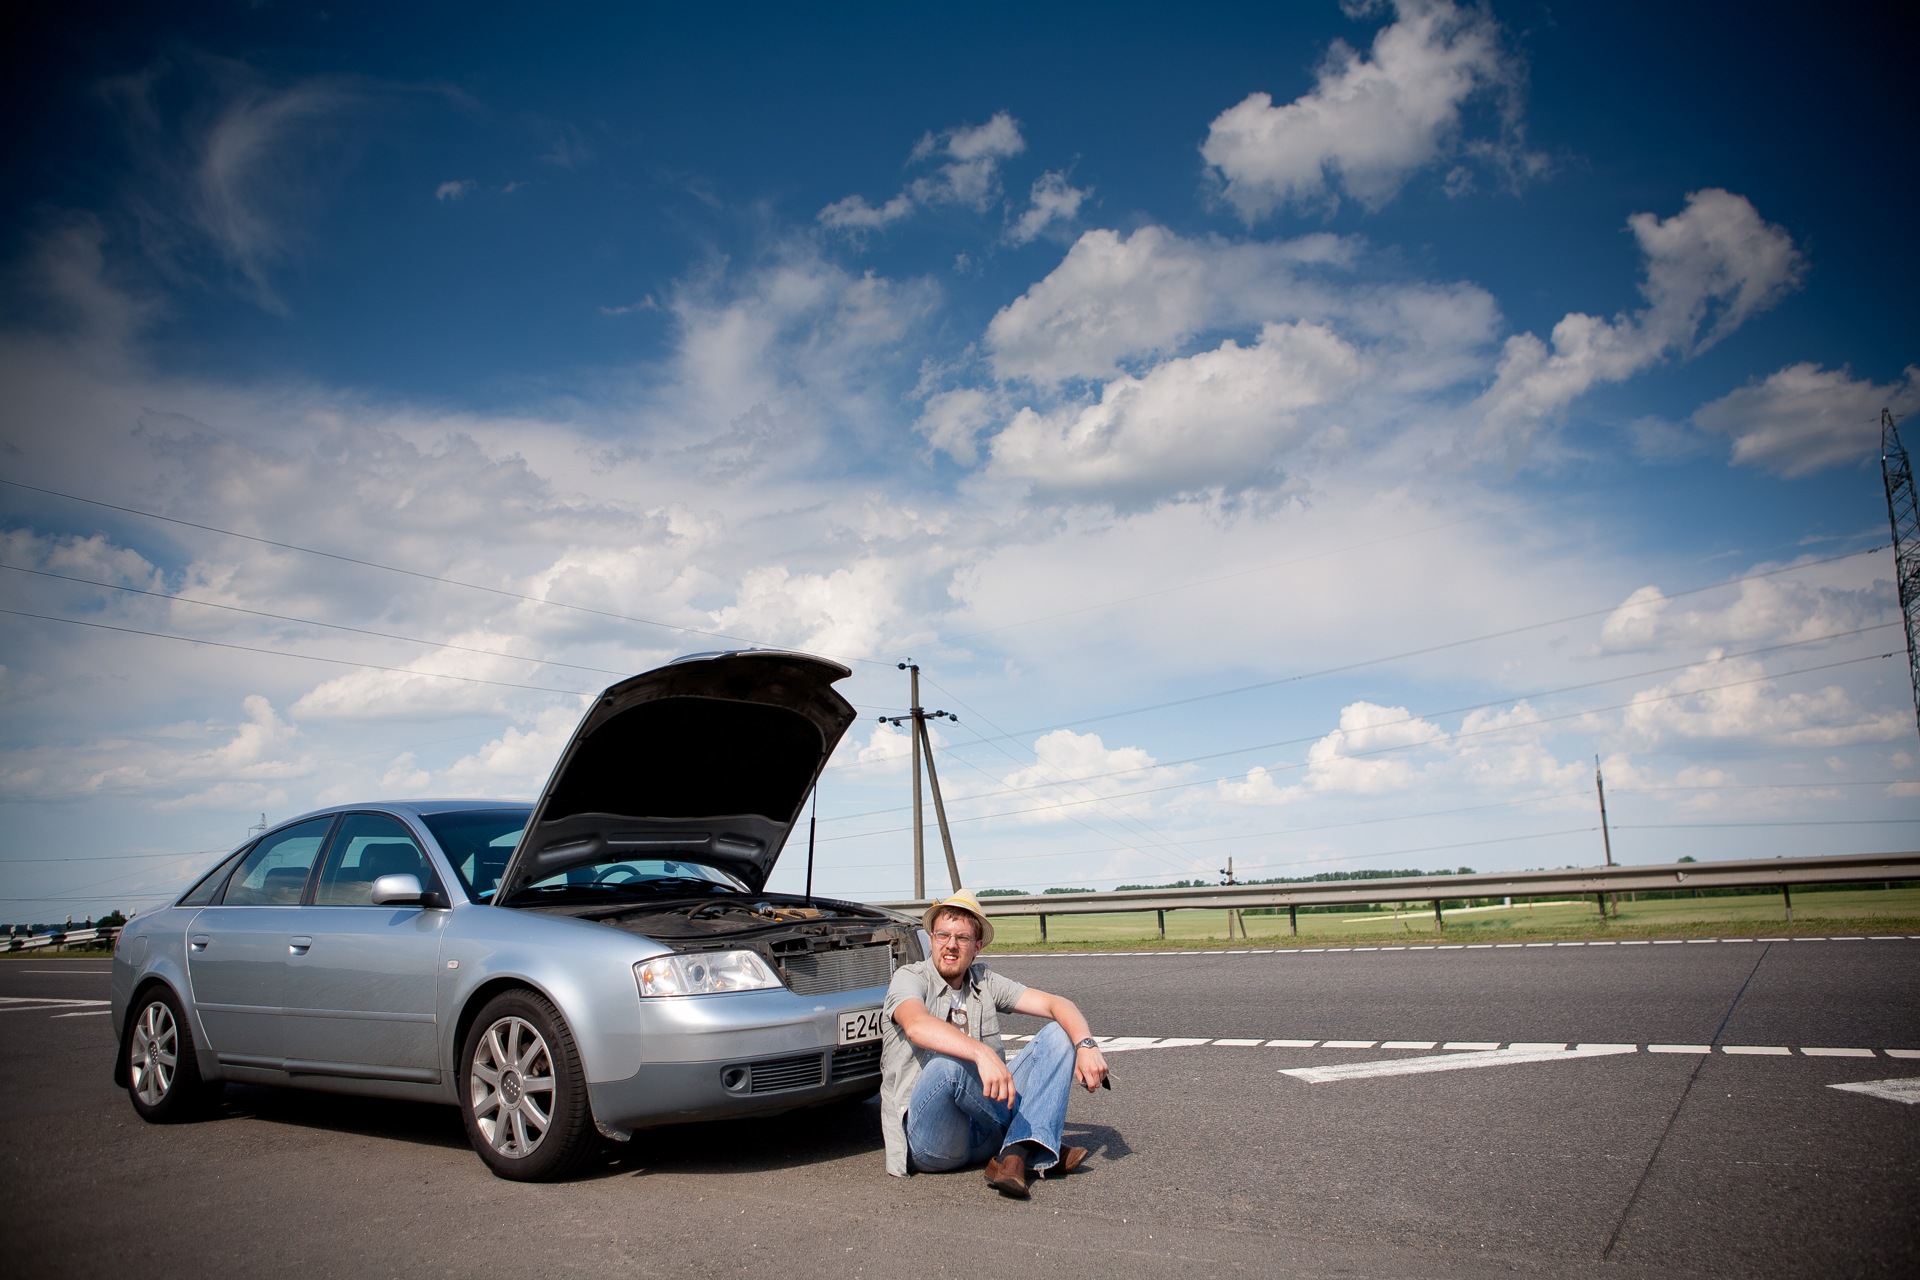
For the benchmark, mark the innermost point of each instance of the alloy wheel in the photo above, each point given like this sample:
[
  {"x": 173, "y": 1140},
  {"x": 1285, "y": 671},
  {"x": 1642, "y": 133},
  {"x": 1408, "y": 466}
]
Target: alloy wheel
[
  {"x": 154, "y": 1056},
  {"x": 511, "y": 1087}
]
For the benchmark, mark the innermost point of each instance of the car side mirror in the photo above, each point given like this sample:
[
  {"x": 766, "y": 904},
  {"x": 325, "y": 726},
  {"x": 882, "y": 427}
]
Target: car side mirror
[{"x": 398, "y": 890}]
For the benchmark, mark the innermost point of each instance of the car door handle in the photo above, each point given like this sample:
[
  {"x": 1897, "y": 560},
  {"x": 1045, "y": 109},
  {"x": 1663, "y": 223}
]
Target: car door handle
[
  {"x": 200, "y": 941},
  {"x": 299, "y": 946}
]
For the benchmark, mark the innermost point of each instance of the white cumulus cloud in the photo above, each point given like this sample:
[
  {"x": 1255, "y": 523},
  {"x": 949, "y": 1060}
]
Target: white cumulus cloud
[
  {"x": 1217, "y": 419},
  {"x": 1708, "y": 269},
  {"x": 1804, "y": 418},
  {"x": 968, "y": 175},
  {"x": 1371, "y": 120}
]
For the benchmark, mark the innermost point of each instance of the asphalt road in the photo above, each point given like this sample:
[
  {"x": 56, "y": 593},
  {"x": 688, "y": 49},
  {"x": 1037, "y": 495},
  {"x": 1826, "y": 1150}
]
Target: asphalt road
[{"x": 1207, "y": 1157}]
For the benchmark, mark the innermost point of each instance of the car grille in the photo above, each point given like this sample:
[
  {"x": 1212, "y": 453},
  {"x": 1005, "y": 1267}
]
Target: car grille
[
  {"x": 819, "y": 973},
  {"x": 852, "y": 1061},
  {"x": 784, "y": 1073}
]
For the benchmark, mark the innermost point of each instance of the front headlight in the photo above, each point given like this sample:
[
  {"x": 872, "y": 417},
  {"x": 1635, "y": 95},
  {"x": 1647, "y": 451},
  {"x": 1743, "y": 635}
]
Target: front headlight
[{"x": 703, "y": 973}]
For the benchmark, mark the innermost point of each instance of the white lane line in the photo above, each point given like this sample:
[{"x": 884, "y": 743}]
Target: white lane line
[
  {"x": 85, "y": 1013},
  {"x": 36, "y": 1004},
  {"x": 1122, "y": 1044},
  {"x": 1447, "y": 1062},
  {"x": 1892, "y": 1090}
]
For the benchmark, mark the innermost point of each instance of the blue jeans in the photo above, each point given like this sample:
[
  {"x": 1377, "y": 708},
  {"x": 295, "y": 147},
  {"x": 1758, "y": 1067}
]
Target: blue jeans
[{"x": 952, "y": 1124}]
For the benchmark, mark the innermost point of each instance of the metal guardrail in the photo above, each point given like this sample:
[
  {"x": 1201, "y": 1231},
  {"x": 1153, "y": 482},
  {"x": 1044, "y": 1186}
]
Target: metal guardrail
[
  {"x": 61, "y": 938},
  {"x": 1779, "y": 873}
]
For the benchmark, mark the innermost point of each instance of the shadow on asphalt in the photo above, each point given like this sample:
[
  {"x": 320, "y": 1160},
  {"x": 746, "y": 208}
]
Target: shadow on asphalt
[
  {"x": 814, "y": 1135},
  {"x": 811, "y": 1136},
  {"x": 417, "y": 1122}
]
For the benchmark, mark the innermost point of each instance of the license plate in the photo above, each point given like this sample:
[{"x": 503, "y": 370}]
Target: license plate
[{"x": 863, "y": 1025}]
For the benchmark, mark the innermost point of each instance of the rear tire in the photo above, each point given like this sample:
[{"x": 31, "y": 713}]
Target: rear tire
[
  {"x": 523, "y": 1095},
  {"x": 163, "y": 1072}
]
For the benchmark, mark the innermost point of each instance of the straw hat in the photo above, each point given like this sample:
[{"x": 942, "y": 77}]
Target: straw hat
[{"x": 962, "y": 900}]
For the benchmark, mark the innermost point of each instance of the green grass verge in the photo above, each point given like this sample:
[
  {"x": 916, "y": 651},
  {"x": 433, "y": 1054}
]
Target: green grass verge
[{"x": 1849, "y": 911}]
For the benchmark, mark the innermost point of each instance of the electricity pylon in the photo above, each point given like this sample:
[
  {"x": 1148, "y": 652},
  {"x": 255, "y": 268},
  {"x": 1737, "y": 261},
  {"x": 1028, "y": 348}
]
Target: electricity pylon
[
  {"x": 1905, "y": 515},
  {"x": 923, "y": 749}
]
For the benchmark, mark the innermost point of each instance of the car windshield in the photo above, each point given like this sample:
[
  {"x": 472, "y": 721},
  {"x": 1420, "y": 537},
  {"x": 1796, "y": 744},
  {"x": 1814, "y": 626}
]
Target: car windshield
[
  {"x": 624, "y": 877},
  {"x": 478, "y": 843}
]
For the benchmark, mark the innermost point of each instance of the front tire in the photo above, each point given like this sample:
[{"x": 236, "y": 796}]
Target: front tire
[
  {"x": 523, "y": 1095},
  {"x": 163, "y": 1072}
]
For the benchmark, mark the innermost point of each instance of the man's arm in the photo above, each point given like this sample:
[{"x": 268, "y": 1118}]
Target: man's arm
[
  {"x": 924, "y": 1031},
  {"x": 1089, "y": 1066}
]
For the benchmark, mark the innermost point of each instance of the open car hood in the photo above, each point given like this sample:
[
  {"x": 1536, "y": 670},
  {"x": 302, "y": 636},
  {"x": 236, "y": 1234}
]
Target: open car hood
[{"x": 709, "y": 758}]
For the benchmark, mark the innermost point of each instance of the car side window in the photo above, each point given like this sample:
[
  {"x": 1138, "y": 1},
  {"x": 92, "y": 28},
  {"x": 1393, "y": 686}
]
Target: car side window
[
  {"x": 210, "y": 885},
  {"x": 368, "y": 846},
  {"x": 275, "y": 873}
]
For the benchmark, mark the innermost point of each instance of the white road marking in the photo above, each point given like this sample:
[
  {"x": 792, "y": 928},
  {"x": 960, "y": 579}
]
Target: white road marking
[
  {"x": 33, "y": 1004},
  {"x": 1123, "y": 1044},
  {"x": 1891, "y": 1090},
  {"x": 1448, "y": 1062},
  {"x": 85, "y": 1013}
]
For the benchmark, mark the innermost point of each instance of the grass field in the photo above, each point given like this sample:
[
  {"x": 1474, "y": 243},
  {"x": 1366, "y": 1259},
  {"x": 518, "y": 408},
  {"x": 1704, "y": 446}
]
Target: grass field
[
  {"x": 1895, "y": 910},
  {"x": 1845, "y": 911}
]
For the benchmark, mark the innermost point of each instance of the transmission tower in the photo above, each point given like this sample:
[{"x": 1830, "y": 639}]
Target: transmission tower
[{"x": 1903, "y": 511}]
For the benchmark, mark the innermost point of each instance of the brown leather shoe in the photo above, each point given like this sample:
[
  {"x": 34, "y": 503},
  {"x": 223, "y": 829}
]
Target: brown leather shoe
[
  {"x": 1007, "y": 1174},
  {"x": 1070, "y": 1159}
]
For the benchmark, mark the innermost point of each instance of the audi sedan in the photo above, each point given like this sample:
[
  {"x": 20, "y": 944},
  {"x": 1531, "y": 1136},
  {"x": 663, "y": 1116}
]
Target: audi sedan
[{"x": 602, "y": 960}]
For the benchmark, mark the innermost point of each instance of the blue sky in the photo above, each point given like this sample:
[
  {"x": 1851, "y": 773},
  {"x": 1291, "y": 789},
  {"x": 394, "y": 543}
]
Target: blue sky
[{"x": 1307, "y": 434}]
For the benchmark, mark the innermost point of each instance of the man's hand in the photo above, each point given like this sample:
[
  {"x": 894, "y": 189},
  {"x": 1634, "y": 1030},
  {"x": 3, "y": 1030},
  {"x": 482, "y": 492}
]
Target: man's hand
[
  {"x": 1089, "y": 1068},
  {"x": 995, "y": 1080}
]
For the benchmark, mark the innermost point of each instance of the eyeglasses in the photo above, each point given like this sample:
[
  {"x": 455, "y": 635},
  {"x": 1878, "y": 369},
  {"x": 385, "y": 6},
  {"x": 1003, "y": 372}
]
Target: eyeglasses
[{"x": 955, "y": 938}]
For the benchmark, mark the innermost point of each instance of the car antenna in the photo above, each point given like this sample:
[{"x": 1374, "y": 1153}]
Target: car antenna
[{"x": 812, "y": 820}]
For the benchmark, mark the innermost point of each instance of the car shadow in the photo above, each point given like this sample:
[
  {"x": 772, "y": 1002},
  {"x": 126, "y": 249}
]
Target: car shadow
[
  {"x": 423, "y": 1123},
  {"x": 757, "y": 1144}
]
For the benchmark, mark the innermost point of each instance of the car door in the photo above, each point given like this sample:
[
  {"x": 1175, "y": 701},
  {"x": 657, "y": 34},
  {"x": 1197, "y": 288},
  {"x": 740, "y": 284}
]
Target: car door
[
  {"x": 237, "y": 946},
  {"x": 360, "y": 994}
]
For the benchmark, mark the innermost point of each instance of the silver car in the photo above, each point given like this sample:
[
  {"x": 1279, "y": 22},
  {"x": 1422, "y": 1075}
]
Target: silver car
[{"x": 602, "y": 960}]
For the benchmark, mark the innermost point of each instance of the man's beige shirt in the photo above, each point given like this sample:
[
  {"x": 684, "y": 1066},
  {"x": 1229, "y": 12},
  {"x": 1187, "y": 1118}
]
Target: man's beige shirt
[{"x": 984, "y": 994}]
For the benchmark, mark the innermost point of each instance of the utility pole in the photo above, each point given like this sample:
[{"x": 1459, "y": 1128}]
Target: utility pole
[
  {"x": 918, "y": 716},
  {"x": 1606, "y": 840},
  {"x": 1904, "y": 513},
  {"x": 1233, "y": 913}
]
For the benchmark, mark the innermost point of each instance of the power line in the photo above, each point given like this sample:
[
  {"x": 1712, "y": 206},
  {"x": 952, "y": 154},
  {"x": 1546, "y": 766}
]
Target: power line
[
  {"x": 1410, "y": 718},
  {"x": 1443, "y": 737},
  {"x": 304, "y": 657},
  {"x": 388, "y": 568},
  {"x": 312, "y": 622},
  {"x": 1436, "y": 648}
]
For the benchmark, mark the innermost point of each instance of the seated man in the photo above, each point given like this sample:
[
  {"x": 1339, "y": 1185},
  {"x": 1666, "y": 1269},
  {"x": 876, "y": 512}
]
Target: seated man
[{"x": 948, "y": 1099}]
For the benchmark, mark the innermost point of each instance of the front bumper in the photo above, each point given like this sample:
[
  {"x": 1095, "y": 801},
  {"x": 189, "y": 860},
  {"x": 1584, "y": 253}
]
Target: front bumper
[
  {"x": 751, "y": 1053},
  {"x": 682, "y": 1092}
]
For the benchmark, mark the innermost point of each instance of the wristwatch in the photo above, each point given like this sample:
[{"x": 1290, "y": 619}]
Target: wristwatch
[{"x": 1088, "y": 1043}]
